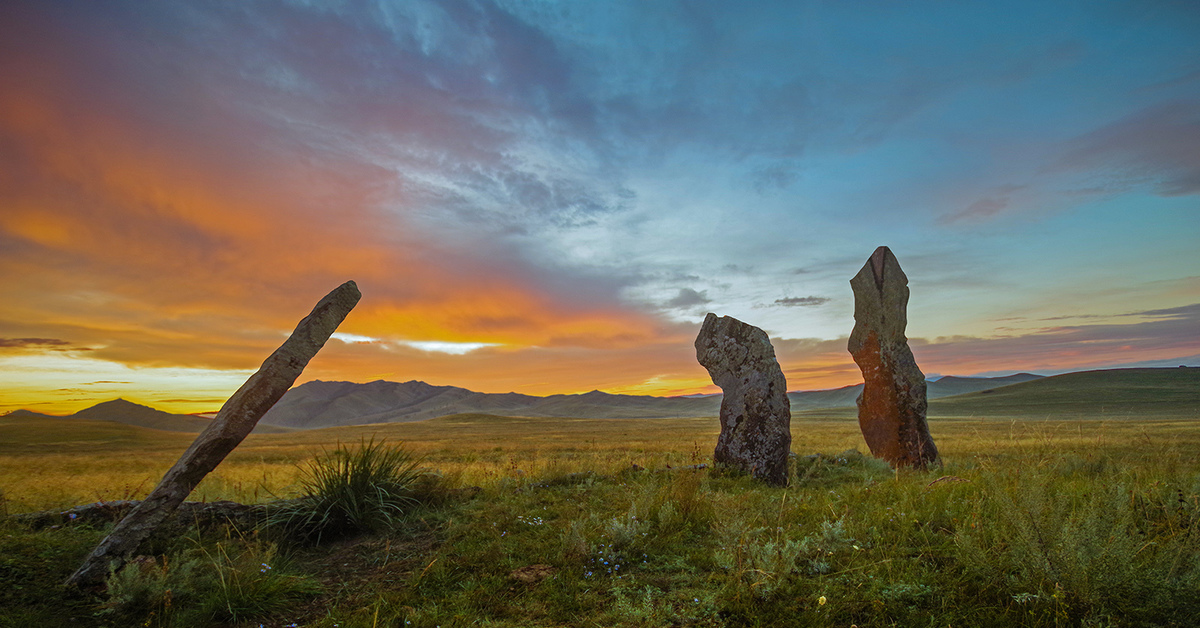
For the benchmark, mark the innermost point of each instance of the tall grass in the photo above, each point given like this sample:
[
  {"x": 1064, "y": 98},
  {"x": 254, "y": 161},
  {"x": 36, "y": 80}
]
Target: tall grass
[
  {"x": 234, "y": 580},
  {"x": 1090, "y": 552},
  {"x": 368, "y": 488}
]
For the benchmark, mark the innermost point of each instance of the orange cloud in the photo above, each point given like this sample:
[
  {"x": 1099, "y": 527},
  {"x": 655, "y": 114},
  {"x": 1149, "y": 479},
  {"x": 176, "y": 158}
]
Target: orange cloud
[{"x": 165, "y": 221}]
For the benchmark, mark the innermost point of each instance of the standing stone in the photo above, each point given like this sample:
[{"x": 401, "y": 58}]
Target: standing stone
[
  {"x": 756, "y": 415},
  {"x": 891, "y": 408},
  {"x": 232, "y": 424}
]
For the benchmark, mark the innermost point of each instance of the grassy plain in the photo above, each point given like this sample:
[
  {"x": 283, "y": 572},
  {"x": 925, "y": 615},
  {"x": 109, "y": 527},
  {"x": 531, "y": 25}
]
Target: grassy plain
[
  {"x": 1033, "y": 521},
  {"x": 83, "y": 462}
]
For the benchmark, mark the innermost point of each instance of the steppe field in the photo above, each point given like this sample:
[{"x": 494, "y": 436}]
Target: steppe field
[{"x": 1054, "y": 507}]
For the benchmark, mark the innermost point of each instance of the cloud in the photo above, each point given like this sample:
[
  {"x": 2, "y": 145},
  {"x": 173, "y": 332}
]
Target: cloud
[
  {"x": 453, "y": 348},
  {"x": 182, "y": 208},
  {"x": 986, "y": 208},
  {"x": 810, "y": 363},
  {"x": 1185, "y": 313},
  {"x": 801, "y": 301},
  {"x": 1168, "y": 332},
  {"x": 180, "y": 182},
  {"x": 1154, "y": 147},
  {"x": 688, "y": 298},
  {"x": 23, "y": 343}
]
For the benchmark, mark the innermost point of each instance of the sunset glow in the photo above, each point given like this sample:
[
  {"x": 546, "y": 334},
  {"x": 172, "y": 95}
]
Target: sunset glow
[{"x": 548, "y": 198}]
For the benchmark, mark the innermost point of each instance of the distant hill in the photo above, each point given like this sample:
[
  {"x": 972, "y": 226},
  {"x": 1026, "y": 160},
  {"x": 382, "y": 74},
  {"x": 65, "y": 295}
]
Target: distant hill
[
  {"x": 29, "y": 414},
  {"x": 943, "y": 387},
  {"x": 1153, "y": 393},
  {"x": 27, "y": 432},
  {"x": 950, "y": 385},
  {"x": 129, "y": 413},
  {"x": 320, "y": 404}
]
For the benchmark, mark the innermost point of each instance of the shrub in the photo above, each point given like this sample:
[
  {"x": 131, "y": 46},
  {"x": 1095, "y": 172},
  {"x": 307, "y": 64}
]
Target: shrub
[
  {"x": 353, "y": 490},
  {"x": 230, "y": 582},
  {"x": 250, "y": 582},
  {"x": 150, "y": 591},
  {"x": 1085, "y": 554}
]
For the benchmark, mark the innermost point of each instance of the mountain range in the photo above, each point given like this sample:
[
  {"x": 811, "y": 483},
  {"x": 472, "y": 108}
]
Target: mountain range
[
  {"x": 327, "y": 404},
  {"x": 319, "y": 404},
  {"x": 1111, "y": 394},
  {"x": 1146, "y": 393}
]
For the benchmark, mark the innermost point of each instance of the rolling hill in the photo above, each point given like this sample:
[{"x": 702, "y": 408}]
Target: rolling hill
[{"x": 1158, "y": 393}]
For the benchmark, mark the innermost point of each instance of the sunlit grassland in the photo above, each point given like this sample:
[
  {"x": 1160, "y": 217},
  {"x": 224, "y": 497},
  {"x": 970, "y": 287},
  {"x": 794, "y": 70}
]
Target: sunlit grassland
[
  {"x": 1031, "y": 522},
  {"x": 71, "y": 463}
]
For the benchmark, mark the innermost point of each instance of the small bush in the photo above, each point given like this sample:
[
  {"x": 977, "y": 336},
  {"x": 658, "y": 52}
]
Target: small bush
[
  {"x": 1086, "y": 555},
  {"x": 231, "y": 581},
  {"x": 250, "y": 582},
  {"x": 755, "y": 557},
  {"x": 353, "y": 490},
  {"x": 150, "y": 590}
]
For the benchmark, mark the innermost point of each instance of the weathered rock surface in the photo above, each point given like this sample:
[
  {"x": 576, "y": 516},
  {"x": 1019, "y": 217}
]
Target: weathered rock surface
[
  {"x": 756, "y": 416},
  {"x": 892, "y": 406},
  {"x": 232, "y": 424}
]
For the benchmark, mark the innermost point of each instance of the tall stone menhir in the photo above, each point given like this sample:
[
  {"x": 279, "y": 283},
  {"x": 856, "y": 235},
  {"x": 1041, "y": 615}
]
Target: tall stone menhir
[
  {"x": 232, "y": 424},
  {"x": 756, "y": 415},
  {"x": 891, "y": 408}
]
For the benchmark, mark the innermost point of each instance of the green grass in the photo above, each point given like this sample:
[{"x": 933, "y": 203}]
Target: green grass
[
  {"x": 1052, "y": 522},
  {"x": 1126, "y": 394},
  {"x": 349, "y": 490}
]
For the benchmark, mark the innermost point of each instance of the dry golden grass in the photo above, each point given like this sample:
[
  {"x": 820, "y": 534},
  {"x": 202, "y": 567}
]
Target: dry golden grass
[{"x": 64, "y": 464}]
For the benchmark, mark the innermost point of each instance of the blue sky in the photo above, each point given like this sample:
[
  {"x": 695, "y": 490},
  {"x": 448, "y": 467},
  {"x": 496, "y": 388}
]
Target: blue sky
[{"x": 554, "y": 194}]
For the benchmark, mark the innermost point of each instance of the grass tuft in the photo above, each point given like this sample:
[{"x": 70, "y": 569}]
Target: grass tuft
[
  {"x": 368, "y": 488},
  {"x": 234, "y": 580}
]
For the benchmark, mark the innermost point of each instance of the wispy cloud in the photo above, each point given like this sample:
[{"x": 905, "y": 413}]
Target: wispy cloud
[
  {"x": 1167, "y": 332},
  {"x": 1154, "y": 147},
  {"x": 24, "y": 343},
  {"x": 801, "y": 301}
]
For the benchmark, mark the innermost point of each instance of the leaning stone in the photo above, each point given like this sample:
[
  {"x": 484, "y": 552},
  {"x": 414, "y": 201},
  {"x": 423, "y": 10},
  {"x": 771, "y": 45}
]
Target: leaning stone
[
  {"x": 756, "y": 415},
  {"x": 892, "y": 406},
  {"x": 232, "y": 424}
]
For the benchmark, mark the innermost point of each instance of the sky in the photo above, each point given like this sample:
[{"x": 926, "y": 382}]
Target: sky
[{"x": 548, "y": 197}]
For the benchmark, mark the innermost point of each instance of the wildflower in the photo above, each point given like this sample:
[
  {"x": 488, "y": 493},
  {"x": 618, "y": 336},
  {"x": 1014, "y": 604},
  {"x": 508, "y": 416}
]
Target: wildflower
[
  {"x": 821, "y": 601},
  {"x": 73, "y": 515}
]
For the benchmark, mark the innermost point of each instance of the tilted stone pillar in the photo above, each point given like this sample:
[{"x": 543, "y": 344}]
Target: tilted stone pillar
[
  {"x": 232, "y": 424},
  {"x": 891, "y": 408},
  {"x": 756, "y": 415}
]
